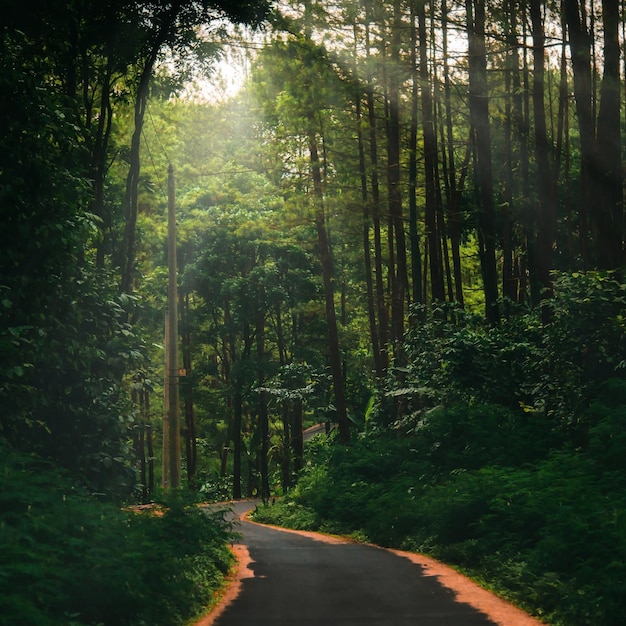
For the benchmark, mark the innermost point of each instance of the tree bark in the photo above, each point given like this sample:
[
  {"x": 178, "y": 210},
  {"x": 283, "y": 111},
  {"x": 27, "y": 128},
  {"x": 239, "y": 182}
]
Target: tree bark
[
  {"x": 454, "y": 216},
  {"x": 479, "y": 116},
  {"x": 580, "y": 52},
  {"x": 430, "y": 163},
  {"x": 414, "y": 237},
  {"x": 367, "y": 255},
  {"x": 608, "y": 212},
  {"x": 399, "y": 285},
  {"x": 546, "y": 213},
  {"x": 329, "y": 295},
  {"x": 262, "y": 401},
  {"x": 381, "y": 305},
  {"x": 187, "y": 389}
]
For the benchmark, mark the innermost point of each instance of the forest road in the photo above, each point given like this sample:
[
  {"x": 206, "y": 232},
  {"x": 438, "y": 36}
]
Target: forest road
[{"x": 294, "y": 578}]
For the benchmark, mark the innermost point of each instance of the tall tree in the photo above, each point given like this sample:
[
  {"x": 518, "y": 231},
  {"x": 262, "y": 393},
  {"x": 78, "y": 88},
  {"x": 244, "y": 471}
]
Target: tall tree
[
  {"x": 481, "y": 125},
  {"x": 609, "y": 213},
  {"x": 376, "y": 208},
  {"x": 398, "y": 263},
  {"x": 453, "y": 188},
  {"x": 414, "y": 237},
  {"x": 430, "y": 163},
  {"x": 546, "y": 212}
]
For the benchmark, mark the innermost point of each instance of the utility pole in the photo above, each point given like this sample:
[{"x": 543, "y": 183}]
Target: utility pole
[{"x": 171, "y": 415}]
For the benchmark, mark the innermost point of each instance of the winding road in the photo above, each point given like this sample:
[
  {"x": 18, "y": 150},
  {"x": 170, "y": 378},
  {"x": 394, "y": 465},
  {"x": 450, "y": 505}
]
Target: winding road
[{"x": 293, "y": 578}]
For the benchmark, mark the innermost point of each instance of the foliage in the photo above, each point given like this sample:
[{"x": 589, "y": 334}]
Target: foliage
[
  {"x": 547, "y": 369},
  {"x": 67, "y": 559},
  {"x": 62, "y": 390},
  {"x": 548, "y": 535},
  {"x": 65, "y": 341}
]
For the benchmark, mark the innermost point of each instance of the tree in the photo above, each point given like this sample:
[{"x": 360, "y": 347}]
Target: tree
[
  {"x": 65, "y": 344},
  {"x": 546, "y": 213},
  {"x": 481, "y": 130},
  {"x": 600, "y": 174},
  {"x": 172, "y": 25}
]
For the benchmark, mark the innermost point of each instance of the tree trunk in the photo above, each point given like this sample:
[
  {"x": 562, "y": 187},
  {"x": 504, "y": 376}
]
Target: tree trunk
[
  {"x": 454, "y": 217},
  {"x": 580, "y": 52},
  {"x": 546, "y": 213},
  {"x": 237, "y": 443},
  {"x": 608, "y": 211},
  {"x": 399, "y": 286},
  {"x": 285, "y": 465},
  {"x": 166, "y": 26},
  {"x": 414, "y": 238},
  {"x": 99, "y": 167},
  {"x": 430, "y": 163},
  {"x": 187, "y": 389},
  {"x": 329, "y": 295},
  {"x": 509, "y": 279},
  {"x": 367, "y": 256},
  {"x": 262, "y": 401},
  {"x": 479, "y": 116},
  {"x": 132, "y": 179},
  {"x": 297, "y": 435},
  {"x": 381, "y": 305}
]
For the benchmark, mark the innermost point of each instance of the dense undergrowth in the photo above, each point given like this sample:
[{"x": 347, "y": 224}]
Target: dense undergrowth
[
  {"x": 69, "y": 560},
  {"x": 550, "y": 536},
  {"x": 509, "y": 459}
]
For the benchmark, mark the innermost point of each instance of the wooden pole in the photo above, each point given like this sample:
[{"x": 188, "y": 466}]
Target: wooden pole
[{"x": 172, "y": 475}]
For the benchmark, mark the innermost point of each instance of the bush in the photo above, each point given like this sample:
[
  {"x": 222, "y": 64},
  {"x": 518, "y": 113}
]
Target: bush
[
  {"x": 68, "y": 559},
  {"x": 548, "y": 534}
]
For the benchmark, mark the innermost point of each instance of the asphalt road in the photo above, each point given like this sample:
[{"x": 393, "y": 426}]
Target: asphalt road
[{"x": 294, "y": 579}]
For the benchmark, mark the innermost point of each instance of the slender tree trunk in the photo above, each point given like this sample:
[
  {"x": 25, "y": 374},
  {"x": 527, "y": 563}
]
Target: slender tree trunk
[
  {"x": 99, "y": 166},
  {"x": 381, "y": 305},
  {"x": 430, "y": 163},
  {"x": 414, "y": 239},
  {"x": 509, "y": 278},
  {"x": 327, "y": 272},
  {"x": 454, "y": 219},
  {"x": 171, "y": 425},
  {"x": 286, "y": 458},
  {"x": 127, "y": 262},
  {"x": 546, "y": 213},
  {"x": 608, "y": 212},
  {"x": 580, "y": 52},
  {"x": 561, "y": 151},
  {"x": 235, "y": 401},
  {"x": 400, "y": 279},
  {"x": 132, "y": 179},
  {"x": 479, "y": 115},
  {"x": 367, "y": 256},
  {"x": 297, "y": 436},
  {"x": 237, "y": 442},
  {"x": 149, "y": 447},
  {"x": 187, "y": 389},
  {"x": 262, "y": 403},
  {"x": 139, "y": 442}
]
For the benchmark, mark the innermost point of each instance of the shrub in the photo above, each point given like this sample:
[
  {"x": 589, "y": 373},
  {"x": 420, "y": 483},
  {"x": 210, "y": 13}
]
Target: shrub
[{"x": 68, "y": 559}]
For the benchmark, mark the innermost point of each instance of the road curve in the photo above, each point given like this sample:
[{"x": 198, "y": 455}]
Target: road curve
[{"x": 291, "y": 578}]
